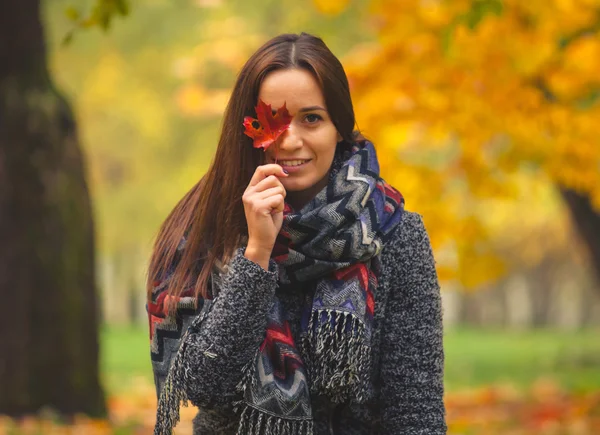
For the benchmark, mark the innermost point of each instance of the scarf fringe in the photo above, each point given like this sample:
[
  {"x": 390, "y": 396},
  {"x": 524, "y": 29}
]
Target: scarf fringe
[
  {"x": 253, "y": 421},
  {"x": 256, "y": 422},
  {"x": 249, "y": 380},
  {"x": 173, "y": 392},
  {"x": 337, "y": 356}
]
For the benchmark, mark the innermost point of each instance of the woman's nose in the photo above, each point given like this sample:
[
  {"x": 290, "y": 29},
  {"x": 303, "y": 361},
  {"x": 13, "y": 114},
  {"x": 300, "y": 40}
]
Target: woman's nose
[{"x": 289, "y": 139}]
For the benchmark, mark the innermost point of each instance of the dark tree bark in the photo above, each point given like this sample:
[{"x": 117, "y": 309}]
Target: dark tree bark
[
  {"x": 48, "y": 326},
  {"x": 587, "y": 222}
]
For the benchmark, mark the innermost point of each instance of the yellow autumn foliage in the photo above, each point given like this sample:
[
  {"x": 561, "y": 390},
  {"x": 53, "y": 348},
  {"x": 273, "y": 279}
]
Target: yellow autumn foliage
[
  {"x": 462, "y": 96},
  {"x": 330, "y": 7}
]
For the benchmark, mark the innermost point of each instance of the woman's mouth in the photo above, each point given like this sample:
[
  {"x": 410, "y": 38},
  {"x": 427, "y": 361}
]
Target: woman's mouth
[{"x": 293, "y": 165}]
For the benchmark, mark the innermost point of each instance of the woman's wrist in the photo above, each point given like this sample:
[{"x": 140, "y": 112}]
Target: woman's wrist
[{"x": 258, "y": 255}]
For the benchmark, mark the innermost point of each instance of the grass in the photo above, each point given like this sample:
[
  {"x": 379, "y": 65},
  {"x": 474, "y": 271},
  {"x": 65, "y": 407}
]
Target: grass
[
  {"x": 481, "y": 357},
  {"x": 473, "y": 358},
  {"x": 124, "y": 357}
]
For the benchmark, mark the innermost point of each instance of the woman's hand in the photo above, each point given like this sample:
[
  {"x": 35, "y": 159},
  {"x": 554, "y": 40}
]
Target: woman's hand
[{"x": 263, "y": 206}]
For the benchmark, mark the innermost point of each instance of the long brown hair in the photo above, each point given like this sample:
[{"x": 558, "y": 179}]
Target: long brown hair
[{"x": 211, "y": 214}]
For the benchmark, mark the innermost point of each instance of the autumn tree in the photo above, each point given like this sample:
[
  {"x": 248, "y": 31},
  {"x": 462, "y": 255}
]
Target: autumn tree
[
  {"x": 48, "y": 327},
  {"x": 464, "y": 97}
]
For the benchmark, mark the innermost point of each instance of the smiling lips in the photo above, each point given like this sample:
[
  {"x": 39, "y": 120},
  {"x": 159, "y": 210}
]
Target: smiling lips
[
  {"x": 293, "y": 165},
  {"x": 297, "y": 162}
]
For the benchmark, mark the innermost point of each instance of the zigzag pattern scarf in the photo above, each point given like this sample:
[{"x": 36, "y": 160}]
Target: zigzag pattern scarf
[{"x": 334, "y": 241}]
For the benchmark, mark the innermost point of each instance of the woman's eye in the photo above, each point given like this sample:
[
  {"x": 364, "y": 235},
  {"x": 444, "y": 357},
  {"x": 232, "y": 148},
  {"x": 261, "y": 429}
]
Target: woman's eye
[{"x": 312, "y": 118}]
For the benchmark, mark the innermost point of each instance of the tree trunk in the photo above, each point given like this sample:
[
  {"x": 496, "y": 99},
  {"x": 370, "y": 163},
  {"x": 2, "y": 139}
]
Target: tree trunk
[
  {"x": 48, "y": 328},
  {"x": 587, "y": 222},
  {"x": 541, "y": 285}
]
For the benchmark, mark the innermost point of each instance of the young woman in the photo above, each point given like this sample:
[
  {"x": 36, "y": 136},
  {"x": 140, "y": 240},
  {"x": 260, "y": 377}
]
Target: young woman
[{"x": 289, "y": 291}]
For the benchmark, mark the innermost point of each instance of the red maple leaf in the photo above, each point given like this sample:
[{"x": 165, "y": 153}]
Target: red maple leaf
[{"x": 268, "y": 127}]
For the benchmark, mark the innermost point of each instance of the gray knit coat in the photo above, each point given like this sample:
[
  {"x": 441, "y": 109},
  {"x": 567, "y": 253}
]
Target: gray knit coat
[{"x": 407, "y": 345}]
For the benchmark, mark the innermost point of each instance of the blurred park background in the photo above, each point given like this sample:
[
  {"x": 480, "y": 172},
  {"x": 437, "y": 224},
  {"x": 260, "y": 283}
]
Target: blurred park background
[{"x": 485, "y": 115}]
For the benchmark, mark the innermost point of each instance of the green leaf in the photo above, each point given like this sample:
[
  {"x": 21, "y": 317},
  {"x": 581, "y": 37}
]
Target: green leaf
[
  {"x": 589, "y": 100},
  {"x": 446, "y": 37},
  {"x": 67, "y": 38},
  {"x": 102, "y": 14},
  {"x": 480, "y": 9},
  {"x": 72, "y": 13},
  {"x": 122, "y": 7}
]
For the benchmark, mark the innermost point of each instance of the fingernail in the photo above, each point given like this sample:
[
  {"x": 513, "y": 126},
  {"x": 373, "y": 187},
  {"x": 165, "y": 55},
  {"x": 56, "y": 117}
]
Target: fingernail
[{"x": 285, "y": 172}]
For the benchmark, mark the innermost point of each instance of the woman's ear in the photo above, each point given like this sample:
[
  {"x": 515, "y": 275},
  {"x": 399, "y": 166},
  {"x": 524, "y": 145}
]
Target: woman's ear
[{"x": 339, "y": 137}]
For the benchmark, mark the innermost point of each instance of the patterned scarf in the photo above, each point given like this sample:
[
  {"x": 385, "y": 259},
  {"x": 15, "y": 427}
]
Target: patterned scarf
[{"x": 333, "y": 241}]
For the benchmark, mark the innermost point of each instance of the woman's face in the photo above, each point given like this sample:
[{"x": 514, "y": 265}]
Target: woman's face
[{"x": 307, "y": 147}]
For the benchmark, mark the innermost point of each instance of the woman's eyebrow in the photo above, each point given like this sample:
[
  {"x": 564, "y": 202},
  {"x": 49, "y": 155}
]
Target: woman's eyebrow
[{"x": 311, "y": 108}]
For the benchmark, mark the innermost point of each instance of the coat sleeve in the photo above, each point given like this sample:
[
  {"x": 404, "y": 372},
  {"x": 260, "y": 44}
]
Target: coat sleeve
[
  {"x": 412, "y": 354},
  {"x": 232, "y": 328}
]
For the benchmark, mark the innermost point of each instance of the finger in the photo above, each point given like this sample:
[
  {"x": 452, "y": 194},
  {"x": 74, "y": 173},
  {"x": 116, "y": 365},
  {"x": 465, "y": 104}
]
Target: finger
[
  {"x": 267, "y": 183},
  {"x": 278, "y": 190},
  {"x": 264, "y": 171},
  {"x": 273, "y": 204}
]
